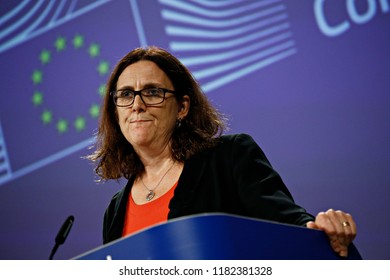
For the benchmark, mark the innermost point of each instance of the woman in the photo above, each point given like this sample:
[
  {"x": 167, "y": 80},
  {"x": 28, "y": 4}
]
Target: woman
[{"x": 159, "y": 131}]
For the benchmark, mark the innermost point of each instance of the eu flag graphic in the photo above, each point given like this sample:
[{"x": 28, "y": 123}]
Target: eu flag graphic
[{"x": 51, "y": 95}]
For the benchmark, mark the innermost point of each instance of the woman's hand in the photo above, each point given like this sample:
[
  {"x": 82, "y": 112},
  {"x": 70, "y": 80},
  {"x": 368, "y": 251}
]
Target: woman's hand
[{"x": 338, "y": 226}]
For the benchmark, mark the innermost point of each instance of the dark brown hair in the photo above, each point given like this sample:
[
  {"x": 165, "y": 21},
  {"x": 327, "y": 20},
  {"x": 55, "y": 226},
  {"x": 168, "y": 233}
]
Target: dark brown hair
[{"x": 115, "y": 156}]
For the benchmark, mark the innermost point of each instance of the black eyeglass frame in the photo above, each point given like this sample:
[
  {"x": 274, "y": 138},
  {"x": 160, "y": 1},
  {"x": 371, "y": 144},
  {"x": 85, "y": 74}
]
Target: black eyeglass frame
[{"x": 139, "y": 92}]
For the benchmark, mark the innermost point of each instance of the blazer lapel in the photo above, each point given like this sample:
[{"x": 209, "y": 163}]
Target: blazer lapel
[
  {"x": 116, "y": 228},
  {"x": 188, "y": 183}
]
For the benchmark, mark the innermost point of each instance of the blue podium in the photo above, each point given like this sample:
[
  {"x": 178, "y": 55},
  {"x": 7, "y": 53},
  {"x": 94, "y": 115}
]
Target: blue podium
[{"x": 220, "y": 237}]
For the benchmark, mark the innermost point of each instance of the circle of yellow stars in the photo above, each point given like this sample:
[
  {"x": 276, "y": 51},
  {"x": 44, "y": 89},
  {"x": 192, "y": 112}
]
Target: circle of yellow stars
[{"x": 79, "y": 123}]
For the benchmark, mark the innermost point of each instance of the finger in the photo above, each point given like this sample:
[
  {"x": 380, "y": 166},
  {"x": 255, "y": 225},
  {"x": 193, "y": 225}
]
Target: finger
[
  {"x": 321, "y": 224},
  {"x": 351, "y": 223},
  {"x": 348, "y": 230},
  {"x": 349, "y": 226},
  {"x": 344, "y": 234},
  {"x": 338, "y": 219},
  {"x": 324, "y": 223},
  {"x": 312, "y": 225}
]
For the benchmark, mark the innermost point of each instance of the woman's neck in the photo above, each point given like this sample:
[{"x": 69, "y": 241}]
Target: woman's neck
[{"x": 154, "y": 161}]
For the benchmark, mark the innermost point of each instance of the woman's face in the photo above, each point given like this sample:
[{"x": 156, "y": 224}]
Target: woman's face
[{"x": 147, "y": 126}]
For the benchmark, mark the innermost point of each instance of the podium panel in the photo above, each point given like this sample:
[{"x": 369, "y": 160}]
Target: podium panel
[{"x": 220, "y": 237}]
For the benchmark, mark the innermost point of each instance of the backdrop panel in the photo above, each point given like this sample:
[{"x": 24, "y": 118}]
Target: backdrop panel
[{"x": 309, "y": 80}]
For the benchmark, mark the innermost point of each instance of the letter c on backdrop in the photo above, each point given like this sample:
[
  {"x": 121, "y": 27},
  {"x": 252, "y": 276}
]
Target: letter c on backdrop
[{"x": 324, "y": 26}]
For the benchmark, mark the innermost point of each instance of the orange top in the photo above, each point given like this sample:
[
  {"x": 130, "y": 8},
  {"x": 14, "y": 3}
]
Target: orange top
[{"x": 148, "y": 214}]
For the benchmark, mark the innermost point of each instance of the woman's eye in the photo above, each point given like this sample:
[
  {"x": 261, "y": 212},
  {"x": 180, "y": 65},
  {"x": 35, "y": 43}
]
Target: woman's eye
[
  {"x": 152, "y": 91},
  {"x": 126, "y": 93}
]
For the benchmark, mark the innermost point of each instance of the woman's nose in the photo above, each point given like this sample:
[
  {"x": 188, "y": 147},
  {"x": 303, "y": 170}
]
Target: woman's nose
[{"x": 138, "y": 104}]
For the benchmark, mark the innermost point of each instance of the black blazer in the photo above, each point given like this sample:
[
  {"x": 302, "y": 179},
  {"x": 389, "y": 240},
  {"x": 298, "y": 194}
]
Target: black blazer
[{"x": 234, "y": 177}]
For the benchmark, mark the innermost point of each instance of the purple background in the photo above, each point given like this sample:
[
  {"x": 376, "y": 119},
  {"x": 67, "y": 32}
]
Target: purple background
[{"x": 321, "y": 115}]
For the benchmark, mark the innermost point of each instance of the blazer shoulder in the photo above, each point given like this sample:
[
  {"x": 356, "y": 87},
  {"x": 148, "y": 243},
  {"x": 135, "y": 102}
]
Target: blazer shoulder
[
  {"x": 241, "y": 139},
  {"x": 236, "y": 137}
]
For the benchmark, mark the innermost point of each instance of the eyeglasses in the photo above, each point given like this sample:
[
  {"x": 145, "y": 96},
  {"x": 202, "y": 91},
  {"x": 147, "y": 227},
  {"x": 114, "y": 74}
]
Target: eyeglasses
[{"x": 150, "y": 96}]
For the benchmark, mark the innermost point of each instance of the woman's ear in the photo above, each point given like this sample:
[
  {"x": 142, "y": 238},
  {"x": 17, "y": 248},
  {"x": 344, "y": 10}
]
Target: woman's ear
[{"x": 184, "y": 107}]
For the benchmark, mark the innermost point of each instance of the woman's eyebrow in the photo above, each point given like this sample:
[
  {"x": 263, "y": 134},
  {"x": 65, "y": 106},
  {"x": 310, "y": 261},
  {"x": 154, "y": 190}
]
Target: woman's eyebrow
[{"x": 148, "y": 85}]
